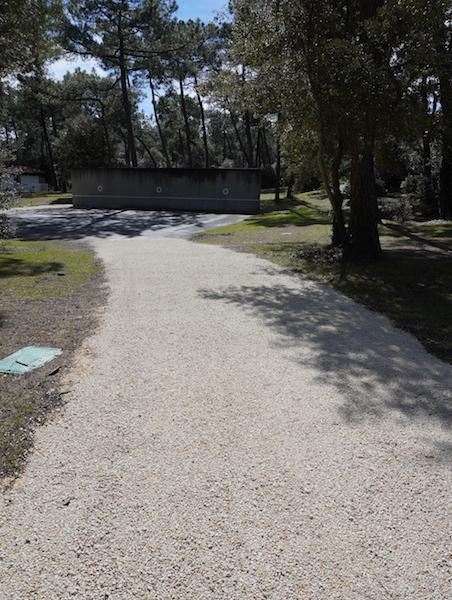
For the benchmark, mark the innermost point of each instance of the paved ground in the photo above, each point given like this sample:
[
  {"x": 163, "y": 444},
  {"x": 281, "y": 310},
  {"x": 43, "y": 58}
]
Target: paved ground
[
  {"x": 65, "y": 222},
  {"x": 234, "y": 431}
]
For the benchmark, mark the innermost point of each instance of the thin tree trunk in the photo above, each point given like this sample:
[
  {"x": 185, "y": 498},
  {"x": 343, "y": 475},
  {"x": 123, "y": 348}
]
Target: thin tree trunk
[
  {"x": 181, "y": 143},
  {"x": 159, "y": 126},
  {"x": 266, "y": 149},
  {"x": 257, "y": 160},
  {"x": 239, "y": 137},
  {"x": 428, "y": 193},
  {"x": 203, "y": 122},
  {"x": 249, "y": 138},
  {"x": 186, "y": 122},
  {"x": 339, "y": 237},
  {"x": 106, "y": 135},
  {"x": 147, "y": 149},
  {"x": 48, "y": 146},
  {"x": 278, "y": 172}
]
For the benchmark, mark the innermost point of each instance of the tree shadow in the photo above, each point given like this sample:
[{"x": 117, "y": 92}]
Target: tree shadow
[
  {"x": 377, "y": 368},
  {"x": 14, "y": 267},
  {"x": 75, "y": 224}
]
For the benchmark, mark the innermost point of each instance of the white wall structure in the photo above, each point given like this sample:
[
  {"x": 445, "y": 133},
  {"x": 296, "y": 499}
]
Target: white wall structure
[{"x": 32, "y": 184}]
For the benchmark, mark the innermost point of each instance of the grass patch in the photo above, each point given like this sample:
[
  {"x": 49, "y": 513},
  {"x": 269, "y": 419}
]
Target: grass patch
[
  {"x": 37, "y": 270},
  {"x": 411, "y": 284},
  {"x": 44, "y": 199},
  {"x": 48, "y": 295}
]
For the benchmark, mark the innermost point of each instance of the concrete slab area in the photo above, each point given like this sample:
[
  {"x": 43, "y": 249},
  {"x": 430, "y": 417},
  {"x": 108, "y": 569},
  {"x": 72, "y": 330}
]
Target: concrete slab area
[{"x": 67, "y": 223}]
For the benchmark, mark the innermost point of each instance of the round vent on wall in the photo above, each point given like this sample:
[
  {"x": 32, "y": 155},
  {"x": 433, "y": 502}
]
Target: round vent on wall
[
  {"x": 158, "y": 189},
  {"x": 225, "y": 191},
  {"x": 99, "y": 188}
]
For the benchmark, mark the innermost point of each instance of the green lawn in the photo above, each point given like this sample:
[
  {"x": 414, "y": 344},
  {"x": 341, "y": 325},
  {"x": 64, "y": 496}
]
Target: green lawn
[
  {"x": 42, "y": 199},
  {"x": 37, "y": 270},
  {"x": 411, "y": 284}
]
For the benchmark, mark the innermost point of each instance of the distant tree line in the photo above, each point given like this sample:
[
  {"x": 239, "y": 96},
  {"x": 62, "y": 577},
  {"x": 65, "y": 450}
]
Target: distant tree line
[{"x": 356, "y": 94}]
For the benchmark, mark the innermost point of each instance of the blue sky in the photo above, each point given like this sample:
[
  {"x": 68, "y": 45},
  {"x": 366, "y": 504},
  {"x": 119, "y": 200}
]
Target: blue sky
[
  {"x": 188, "y": 9},
  {"x": 192, "y": 9}
]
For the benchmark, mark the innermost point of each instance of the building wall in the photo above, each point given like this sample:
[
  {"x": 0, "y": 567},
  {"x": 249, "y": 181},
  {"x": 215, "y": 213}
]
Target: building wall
[
  {"x": 32, "y": 184},
  {"x": 198, "y": 190}
]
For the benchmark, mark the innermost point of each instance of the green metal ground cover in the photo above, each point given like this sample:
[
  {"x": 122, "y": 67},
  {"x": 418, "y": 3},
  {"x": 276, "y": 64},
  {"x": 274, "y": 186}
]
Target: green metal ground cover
[{"x": 27, "y": 359}]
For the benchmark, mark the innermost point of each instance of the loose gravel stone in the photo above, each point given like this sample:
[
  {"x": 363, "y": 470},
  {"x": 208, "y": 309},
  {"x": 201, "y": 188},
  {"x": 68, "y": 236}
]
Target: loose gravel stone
[{"x": 235, "y": 431}]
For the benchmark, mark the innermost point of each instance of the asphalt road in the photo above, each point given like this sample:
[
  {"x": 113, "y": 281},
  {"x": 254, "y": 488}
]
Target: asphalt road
[{"x": 67, "y": 223}]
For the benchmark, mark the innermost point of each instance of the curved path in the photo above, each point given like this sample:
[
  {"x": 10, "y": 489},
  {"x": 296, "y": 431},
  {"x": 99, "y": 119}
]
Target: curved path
[{"x": 235, "y": 431}]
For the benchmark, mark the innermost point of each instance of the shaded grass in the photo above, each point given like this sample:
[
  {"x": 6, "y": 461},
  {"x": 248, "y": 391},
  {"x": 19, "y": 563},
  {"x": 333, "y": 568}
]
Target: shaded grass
[
  {"x": 37, "y": 270},
  {"x": 411, "y": 284},
  {"x": 43, "y": 199}
]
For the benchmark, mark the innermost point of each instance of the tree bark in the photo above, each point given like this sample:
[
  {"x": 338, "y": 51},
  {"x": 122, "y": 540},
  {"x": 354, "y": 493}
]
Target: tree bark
[
  {"x": 148, "y": 150},
  {"x": 48, "y": 146},
  {"x": 445, "y": 178},
  {"x": 203, "y": 123},
  {"x": 339, "y": 236},
  {"x": 278, "y": 172},
  {"x": 126, "y": 100},
  {"x": 239, "y": 138},
  {"x": 364, "y": 238},
  {"x": 159, "y": 126},
  {"x": 249, "y": 138},
  {"x": 428, "y": 192},
  {"x": 186, "y": 121}
]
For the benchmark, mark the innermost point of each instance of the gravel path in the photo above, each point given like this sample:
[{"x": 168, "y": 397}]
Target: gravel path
[{"x": 234, "y": 431}]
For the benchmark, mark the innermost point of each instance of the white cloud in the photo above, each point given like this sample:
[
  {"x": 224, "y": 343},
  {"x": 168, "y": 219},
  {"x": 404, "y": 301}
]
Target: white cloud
[{"x": 68, "y": 64}]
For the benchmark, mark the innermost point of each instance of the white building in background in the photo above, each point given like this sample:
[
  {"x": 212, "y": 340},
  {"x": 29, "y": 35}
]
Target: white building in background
[{"x": 31, "y": 181}]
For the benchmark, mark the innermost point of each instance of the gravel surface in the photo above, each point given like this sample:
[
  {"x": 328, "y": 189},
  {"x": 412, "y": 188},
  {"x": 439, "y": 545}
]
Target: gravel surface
[{"x": 235, "y": 431}]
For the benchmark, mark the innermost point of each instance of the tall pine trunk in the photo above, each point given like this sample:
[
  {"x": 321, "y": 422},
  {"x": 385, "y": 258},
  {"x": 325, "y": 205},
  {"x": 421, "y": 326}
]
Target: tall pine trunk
[
  {"x": 48, "y": 146},
  {"x": 159, "y": 125},
  {"x": 364, "y": 238},
  {"x": 203, "y": 123},
  {"x": 445, "y": 193},
  {"x": 186, "y": 121},
  {"x": 127, "y": 108}
]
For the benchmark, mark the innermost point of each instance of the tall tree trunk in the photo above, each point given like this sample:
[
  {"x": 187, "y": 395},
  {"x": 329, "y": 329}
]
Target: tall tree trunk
[
  {"x": 258, "y": 160},
  {"x": 182, "y": 146},
  {"x": 127, "y": 108},
  {"x": 364, "y": 238},
  {"x": 278, "y": 172},
  {"x": 128, "y": 117},
  {"x": 445, "y": 194},
  {"x": 147, "y": 150},
  {"x": 239, "y": 138},
  {"x": 186, "y": 121},
  {"x": 339, "y": 237},
  {"x": 106, "y": 134},
  {"x": 159, "y": 126},
  {"x": 266, "y": 149},
  {"x": 49, "y": 150},
  {"x": 249, "y": 138},
  {"x": 429, "y": 192},
  {"x": 203, "y": 123}
]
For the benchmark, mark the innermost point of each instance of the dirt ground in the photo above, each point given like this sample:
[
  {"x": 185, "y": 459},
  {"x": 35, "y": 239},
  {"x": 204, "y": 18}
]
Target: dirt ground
[{"x": 27, "y": 400}]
